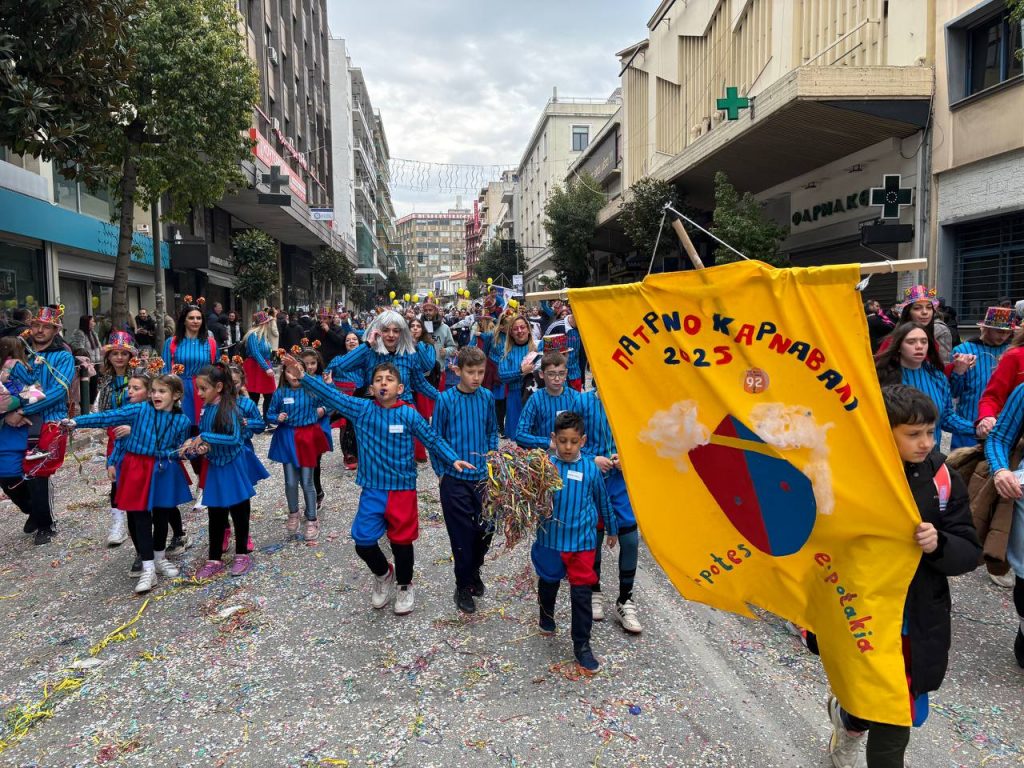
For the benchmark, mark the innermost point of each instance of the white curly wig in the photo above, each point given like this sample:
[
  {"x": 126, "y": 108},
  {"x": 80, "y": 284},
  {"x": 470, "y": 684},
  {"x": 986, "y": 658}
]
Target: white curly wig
[{"x": 386, "y": 319}]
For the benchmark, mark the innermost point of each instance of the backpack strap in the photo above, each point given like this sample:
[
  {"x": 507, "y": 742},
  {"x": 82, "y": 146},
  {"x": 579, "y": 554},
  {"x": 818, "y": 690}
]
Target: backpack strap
[{"x": 944, "y": 486}]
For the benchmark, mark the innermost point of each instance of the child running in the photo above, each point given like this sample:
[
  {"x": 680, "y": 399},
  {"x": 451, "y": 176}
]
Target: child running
[
  {"x": 385, "y": 428},
  {"x": 151, "y": 478},
  {"x": 566, "y": 541},
  {"x": 949, "y": 547},
  {"x": 537, "y": 421},
  {"x": 314, "y": 365},
  {"x": 297, "y": 445},
  {"x": 252, "y": 424},
  {"x": 227, "y": 484},
  {"x": 464, "y": 416}
]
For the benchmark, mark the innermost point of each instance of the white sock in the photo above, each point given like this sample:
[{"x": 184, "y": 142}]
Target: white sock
[
  {"x": 148, "y": 565},
  {"x": 161, "y": 555}
]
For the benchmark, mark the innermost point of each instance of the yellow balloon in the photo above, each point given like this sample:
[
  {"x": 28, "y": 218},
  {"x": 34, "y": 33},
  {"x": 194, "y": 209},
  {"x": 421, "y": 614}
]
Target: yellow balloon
[
  {"x": 95, "y": 302},
  {"x": 396, "y": 302},
  {"x": 415, "y": 297},
  {"x": 29, "y": 300},
  {"x": 407, "y": 297},
  {"x": 430, "y": 294},
  {"x": 513, "y": 303},
  {"x": 490, "y": 280},
  {"x": 391, "y": 295}
]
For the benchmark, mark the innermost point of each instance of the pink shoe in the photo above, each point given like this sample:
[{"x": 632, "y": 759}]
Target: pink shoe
[
  {"x": 251, "y": 544},
  {"x": 210, "y": 569},
  {"x": 227, "y": 540},
  {"x": 291, "y": 525},
  {"x": 241, "y": 565}
]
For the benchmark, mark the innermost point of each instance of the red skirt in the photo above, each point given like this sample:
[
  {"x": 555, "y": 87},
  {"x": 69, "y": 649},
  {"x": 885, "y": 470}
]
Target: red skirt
[
  {"x": 110, "y": 441},
  {"x": 142, "y": 485},
  {"x": 256, "y": 379},
  {"x": 348, "y": 388}
]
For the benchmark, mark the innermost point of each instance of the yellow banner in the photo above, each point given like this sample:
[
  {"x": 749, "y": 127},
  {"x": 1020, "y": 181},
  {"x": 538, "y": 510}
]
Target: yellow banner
[{"x": 758, "y": 456}]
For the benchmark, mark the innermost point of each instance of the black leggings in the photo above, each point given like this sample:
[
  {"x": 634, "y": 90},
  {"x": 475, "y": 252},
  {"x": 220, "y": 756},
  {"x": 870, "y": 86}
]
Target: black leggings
[
  {"x": 239, "y": 515},
  {"x": 148, "y": 531},
  {"x": 886, "y": 743},
  {"x": 255, "y": 397},
  {"x": 374, "y": 557}
]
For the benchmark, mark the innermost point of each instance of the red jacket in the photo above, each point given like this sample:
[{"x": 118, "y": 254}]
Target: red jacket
[{"x": 1005, "y": 378}]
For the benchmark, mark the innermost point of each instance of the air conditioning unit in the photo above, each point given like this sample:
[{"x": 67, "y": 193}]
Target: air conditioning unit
[
  {"x": 272, "y": 55},
  {"x": 142, "y": 229},
  {"x": 275, "y": 124}
]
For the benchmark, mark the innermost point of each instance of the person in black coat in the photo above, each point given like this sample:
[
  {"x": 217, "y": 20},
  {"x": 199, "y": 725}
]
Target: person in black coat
[
  {"x": 330, "y": 336},
  {"x": 292, "y": 333},
  {"x": 879, "y": 326},
  {"x": 949, "y": 547}
]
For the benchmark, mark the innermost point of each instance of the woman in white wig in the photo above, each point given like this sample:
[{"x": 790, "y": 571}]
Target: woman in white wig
[{"x": 388, "y": 340}]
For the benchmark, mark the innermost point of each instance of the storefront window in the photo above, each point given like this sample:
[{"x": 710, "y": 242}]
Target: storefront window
[
  {"x": 97, "y": 204},
  {"x": 22, "y": 282},
  {"x": 65, "y": 192}
]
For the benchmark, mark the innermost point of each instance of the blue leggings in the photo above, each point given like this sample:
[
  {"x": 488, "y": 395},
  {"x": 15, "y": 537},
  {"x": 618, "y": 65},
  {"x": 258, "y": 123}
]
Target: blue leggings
[
  {"x": 629, "y": 545},
  {"x": 294, "y": 477}
]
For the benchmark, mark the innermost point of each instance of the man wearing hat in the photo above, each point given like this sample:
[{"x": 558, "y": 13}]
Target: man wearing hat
[
  {"x": 54, "y": 368},
  {"x": 967, "y": 387}
]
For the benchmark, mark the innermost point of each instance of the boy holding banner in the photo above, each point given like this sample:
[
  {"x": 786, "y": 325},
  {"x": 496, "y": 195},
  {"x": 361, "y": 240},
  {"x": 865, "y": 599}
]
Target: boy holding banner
[{"x": 949, "y": 547}]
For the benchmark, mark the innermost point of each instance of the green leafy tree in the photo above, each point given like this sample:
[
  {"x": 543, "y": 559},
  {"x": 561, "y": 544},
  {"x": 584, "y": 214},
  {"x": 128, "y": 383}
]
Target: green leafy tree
[
  {"x": 1017, "y": 15},
  {"x": 571, "y": 221},
  {"x": 474, "y": 286},
  {"x": 641, "y": 216},
  {"x": 255, "y": 260},
  {"x": 549, "y": 283},
  {"x": 332, "y": 271},
  {"x": 499, "y": 261},
  {"x": 181, "y": 88},
  {"x": 740, "y": 221},
  {"x": 399, "y": 282}
]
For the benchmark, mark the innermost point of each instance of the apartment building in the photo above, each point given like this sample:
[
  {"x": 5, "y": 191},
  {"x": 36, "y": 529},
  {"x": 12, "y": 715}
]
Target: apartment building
[
  {"x": 806, "y": 103},
  {"x": 563, "y": 132},
  {"x": 434, "y": 244}
]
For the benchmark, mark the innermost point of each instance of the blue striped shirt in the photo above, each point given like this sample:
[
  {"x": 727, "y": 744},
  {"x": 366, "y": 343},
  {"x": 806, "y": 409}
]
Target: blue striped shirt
[
  {"x": 254, "y": 423},
  {"x": 116, "y": 390},
  {"x": 968, "y": 387},
  {"x": 1006, "y": 432},
  {"x": 55, "y": 372},
  {"x": 194, "y": 354},
  {"x": 259, "y": 350},
  {"x": 573, "y": 358},
  {"x": 298, "y": 403},
  {"x": 573, "y": 523},
  {"x": 510, "y": 365},
  {"x": 154, "y": 433},
  {"x": 537, "y": 421},
  {"x": 427, "y": 355},
  {"x": 468, "y": 422},
  {"x": 384, "y": 437},
  {"x": 600, "y": 441},
  {"x": 935, "y": 384},
  {"x": 224, "y": 448},
  {"x": 364, "y": 360}
]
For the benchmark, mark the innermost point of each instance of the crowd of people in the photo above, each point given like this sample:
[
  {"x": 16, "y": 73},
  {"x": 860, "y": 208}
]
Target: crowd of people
[{"x": 406, "y": 384}]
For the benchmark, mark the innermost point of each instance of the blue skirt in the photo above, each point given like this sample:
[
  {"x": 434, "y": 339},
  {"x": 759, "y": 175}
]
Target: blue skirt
[
  {"x": 325, "y": 425},
  {"x": 253, "y": 465},
  {"x": 298, "y": 446},
  {"x": 191, "y": 403},
  {"x": 170, "y": 484},
  {"x": 145, "y": 482},
  {"x": 228, "y": 484}
]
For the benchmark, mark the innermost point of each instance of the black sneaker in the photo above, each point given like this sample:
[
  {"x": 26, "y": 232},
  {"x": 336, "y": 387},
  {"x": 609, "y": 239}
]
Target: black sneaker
[
  {"x": 320, "y": 500},
  {"x": 1018, "y": 647},
  {"x": 477, "y": 588},
  {"x": 136, "y": 569},
  {"x": 586, "y": 659},
  {"x": 178, "y": 544},
  {"x": 44, "y": 535},
  {"x": 30, "y": 526},
  {"x": 464, "y": 600}
]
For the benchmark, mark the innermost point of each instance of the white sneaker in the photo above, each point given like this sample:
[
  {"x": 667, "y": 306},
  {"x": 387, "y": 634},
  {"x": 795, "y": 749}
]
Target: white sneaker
[
  {"x": 626, "y": 613},
  {"x": 199, "y": 506},
  {"x": 118, "y": 528},
  {"x": 845, "y": 750},
  {"x": 381, "y": 593},
  {"x": 597, "y": 606},
  {"x": 166, "y": 568},
  {"x": 147, "y": 580},
  {"x": 404, "y": 600},
  {"x": 1006, "y": 580}
]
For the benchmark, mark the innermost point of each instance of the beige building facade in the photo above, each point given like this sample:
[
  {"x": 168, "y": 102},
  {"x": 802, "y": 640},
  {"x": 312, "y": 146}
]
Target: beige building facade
[{"x": 433, "y": 244}]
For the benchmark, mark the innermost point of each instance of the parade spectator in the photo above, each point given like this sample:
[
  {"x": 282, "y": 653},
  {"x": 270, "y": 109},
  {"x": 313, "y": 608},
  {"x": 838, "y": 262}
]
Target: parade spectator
[
  {"x": 879, "y": 325},
  {"x": 230, "y": 321},
  {"x": 330, "y": 336},
  {"x": 145, "y": 330},
  {"x": 292, "y": 333},
  {"x": 85, "y": 344},
  {"x": 219, "y": 330},
  {"x": 17, "y": 322},
  {"x": 215, "y": 313}
]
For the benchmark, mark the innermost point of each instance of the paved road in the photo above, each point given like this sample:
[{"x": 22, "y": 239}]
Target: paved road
[{"x": 305, "y": 673}]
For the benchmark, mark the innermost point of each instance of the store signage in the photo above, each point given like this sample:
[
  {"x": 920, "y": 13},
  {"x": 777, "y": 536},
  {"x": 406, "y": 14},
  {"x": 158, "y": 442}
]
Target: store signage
[
  {"x": 263, "y": 151},
  {"x": 733, "y": 103},
  {"x": 892, "y": 196},
  {"x": 603, "y": 161},
  {"x": 828, "y": 208},
  {"x": 321, "y": 214}
]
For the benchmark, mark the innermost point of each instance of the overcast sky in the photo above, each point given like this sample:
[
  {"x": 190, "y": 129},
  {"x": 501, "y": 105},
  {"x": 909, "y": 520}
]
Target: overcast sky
[{"x": 464, "y": 82}]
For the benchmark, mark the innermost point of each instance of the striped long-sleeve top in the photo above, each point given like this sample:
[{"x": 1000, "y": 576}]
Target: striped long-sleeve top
[
  {"x": 224, "y": 447},
  {"x": 254, "y": 423},
  {"x": 510, "y": 365},
  {"x": 600, "y": 441},
  {"x": 1008, "y": 374},
  {"x": 537, "y": 421},
  {"x": 572, "y": 526},
  {"x": 363, "y": 360},
  {"x": 968, "y": 387},
  {"x": 935, "y": 384},
  {"x": 1006, "y": 432},
  {"x": 298, "y": 403},
  {"x": 154, "y": 433},
  {"x": 427, "y": 354},
  {"x": 467, "y": 420},
  {"x": 573, "y": 357},
  {"x": 113, "y": 393},
  {"x": 259, "y": 350},
  {"x": 193, "y": 354},
  {"x": 384, "y": 437},
  {"x": 54, "y": 369}
]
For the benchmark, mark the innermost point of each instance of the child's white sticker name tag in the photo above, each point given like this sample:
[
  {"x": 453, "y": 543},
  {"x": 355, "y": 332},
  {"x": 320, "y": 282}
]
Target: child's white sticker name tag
[
  {"x": 288, "y": 400},
  {"x": 396, "y": 429},
  {"x": 574, "y": 474}
]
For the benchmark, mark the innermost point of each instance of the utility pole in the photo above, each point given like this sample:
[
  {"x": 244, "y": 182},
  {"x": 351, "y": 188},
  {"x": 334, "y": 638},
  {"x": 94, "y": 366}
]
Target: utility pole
[{"x": 158, "y": 275}]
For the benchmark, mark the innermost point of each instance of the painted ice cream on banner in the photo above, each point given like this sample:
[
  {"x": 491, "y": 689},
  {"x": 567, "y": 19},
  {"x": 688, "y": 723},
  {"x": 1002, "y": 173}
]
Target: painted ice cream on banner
[{"x": 758, "y": 455}]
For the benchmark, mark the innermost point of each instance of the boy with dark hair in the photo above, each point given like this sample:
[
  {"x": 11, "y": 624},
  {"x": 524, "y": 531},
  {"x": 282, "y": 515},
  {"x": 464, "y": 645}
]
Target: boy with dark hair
[
  {"x": 464, "y": 416},
  {"x": 949, "y": 547},
  {"x": 385, "y": 428},
  {"x": 537, "y": 420},
  {"x": 566, "y": 541}
]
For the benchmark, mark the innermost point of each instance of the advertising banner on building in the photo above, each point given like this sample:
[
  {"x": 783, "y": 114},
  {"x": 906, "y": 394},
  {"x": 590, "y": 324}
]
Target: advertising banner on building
[{"x": 758, "y": 455}]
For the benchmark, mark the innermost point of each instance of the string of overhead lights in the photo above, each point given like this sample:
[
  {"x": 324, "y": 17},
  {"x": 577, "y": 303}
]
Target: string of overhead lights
[{"x": 423, "y": 176}]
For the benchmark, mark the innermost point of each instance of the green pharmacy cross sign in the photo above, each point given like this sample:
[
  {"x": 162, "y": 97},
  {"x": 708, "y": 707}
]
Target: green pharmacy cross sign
[
  {"x": 892, "y": 196},
  {"x": 733, "y": 103}
]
